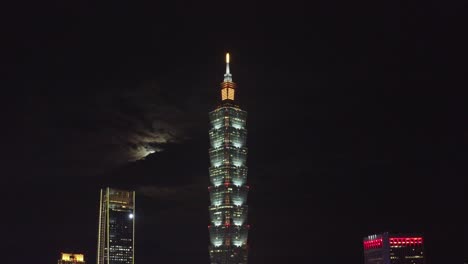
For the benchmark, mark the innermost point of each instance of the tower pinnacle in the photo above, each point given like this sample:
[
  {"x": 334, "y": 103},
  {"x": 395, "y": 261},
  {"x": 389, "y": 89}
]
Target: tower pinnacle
[
  {"x": 227, "y": 86},
  {"x": 227, "y": 75}
]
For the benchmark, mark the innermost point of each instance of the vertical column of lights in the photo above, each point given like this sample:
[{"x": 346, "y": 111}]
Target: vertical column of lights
[
  {"x": 132, "y": 216},
  {"x": 228, "y": 175},
  {"x": 100, "y": 257}
]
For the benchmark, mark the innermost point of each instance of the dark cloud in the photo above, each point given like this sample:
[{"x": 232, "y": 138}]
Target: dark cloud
[
  {"x": 100, "y": 126},
  {"x": 141, "y": 121}
]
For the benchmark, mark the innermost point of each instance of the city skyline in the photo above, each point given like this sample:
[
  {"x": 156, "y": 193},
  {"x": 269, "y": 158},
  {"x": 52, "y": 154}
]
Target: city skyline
[{"x": 352, "y": 126}]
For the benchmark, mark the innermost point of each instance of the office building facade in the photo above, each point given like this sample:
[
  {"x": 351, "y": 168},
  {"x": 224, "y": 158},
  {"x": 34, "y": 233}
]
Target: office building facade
[{"x": 116, "y": 235}]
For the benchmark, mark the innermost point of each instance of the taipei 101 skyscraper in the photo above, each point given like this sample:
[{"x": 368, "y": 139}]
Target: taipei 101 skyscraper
[{"x": 228, "y": 175}]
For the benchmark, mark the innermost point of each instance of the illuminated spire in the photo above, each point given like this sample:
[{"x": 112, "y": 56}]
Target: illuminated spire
[
  {"x": 227, "y": 86},
  {"x": 227, "y": 75}
]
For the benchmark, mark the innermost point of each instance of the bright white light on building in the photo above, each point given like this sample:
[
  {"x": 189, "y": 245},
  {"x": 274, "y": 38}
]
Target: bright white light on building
[
  {"x": 217, "y": 183},
  {"x": 237, "y": 243},
  {"x": 130, "y": 216},
  {"x": 236, "y": 126},
  {"x": 217, "y": 243},
  {"x": 237, "y": 182}
]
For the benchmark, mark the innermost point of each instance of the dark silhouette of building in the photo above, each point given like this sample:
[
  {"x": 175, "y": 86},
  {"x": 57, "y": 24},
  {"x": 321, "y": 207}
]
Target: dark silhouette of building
[
  {"x": 116, "y": 236},
  {"x": 388, "y": 248},
  {"x": 228, "y": 175}
]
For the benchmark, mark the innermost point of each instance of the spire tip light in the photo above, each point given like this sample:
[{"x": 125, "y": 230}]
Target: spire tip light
[{"x": 227, "y": 57}]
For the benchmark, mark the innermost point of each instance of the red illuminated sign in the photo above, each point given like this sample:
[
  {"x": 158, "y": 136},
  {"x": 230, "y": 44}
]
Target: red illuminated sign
[
  {"x": 373, "y": 243},
  {"x": 394, "y": 242},
  {"x": 405, "y": 241}
]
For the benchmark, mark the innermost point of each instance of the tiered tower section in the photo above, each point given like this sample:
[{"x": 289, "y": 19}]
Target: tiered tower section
[{"x": 228, "y": 176}]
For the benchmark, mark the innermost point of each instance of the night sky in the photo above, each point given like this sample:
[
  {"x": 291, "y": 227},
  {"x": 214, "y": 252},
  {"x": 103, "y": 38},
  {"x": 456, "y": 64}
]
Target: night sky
[{"x": 352, "y": 128}]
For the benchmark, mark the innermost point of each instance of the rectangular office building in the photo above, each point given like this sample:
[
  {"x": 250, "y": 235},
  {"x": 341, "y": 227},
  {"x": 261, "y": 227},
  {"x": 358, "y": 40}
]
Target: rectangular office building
[
  {"x": 388, "y": 248},
  {"x": 116, "y": 235}
]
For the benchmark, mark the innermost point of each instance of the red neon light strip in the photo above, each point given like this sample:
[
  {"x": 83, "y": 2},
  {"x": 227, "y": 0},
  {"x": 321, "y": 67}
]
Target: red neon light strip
[
  {"x": 373, "y": 244},
  {"x": 394, "y": 241},
  {"x": 406, "y": 241}
]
